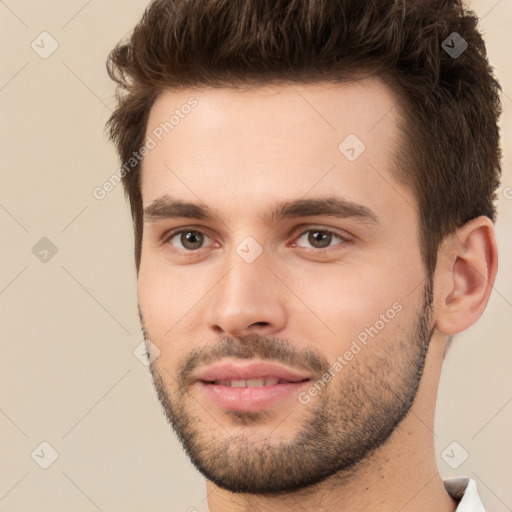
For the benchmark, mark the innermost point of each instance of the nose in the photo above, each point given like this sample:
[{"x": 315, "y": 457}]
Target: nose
[{"x": 249, "y": 299}]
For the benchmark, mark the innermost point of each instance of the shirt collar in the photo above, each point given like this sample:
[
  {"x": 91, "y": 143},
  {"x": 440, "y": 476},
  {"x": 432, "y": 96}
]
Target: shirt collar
[{"x": 464, "y": 491}]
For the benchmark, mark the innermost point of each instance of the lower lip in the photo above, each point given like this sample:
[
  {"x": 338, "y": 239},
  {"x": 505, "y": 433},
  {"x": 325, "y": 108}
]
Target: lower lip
[{"x": 252, "y": 398}]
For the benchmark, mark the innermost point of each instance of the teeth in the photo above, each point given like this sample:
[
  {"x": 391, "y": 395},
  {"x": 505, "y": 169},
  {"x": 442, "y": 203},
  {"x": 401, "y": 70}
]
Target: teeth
[
  {"x": 255, "y": 382},
  {"x": 249, "y": 383}
]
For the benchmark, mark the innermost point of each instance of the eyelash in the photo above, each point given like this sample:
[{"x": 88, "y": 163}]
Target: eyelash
[{"x": 297, "y": 234}]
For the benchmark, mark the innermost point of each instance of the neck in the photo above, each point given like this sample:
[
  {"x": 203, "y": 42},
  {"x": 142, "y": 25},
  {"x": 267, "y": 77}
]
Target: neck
[{"x": 400, "y": 475}]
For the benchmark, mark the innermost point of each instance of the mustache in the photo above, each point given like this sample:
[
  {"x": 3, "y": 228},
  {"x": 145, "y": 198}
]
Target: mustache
[{"x": 251, "y": 347}]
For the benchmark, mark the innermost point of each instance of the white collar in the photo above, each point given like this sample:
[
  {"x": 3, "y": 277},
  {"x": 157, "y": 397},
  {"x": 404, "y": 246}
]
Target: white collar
[{"x": 463, "y": 490}]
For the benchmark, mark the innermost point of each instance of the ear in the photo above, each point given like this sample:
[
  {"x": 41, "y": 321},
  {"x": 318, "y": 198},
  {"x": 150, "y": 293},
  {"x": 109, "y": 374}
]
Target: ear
[{"x": 465, "y": 274}]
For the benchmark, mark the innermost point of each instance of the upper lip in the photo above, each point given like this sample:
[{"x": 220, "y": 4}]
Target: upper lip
[{"x": 231, "y": 370}]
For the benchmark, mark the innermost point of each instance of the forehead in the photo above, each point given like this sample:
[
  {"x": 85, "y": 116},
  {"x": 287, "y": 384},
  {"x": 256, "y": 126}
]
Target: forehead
[{"x": 272, "y": 141}]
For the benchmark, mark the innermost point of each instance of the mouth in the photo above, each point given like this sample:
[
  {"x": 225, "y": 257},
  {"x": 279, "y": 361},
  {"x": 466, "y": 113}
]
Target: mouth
[{"x": 249, "y": 385}]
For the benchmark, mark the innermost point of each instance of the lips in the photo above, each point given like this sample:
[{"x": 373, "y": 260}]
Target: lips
[
  {"x": 249, "y": 374},
  {"x": 249, "y": 385}
]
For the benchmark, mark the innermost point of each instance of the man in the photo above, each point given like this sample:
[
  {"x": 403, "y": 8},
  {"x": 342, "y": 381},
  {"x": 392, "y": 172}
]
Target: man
[{"x": 312, "y": 188}]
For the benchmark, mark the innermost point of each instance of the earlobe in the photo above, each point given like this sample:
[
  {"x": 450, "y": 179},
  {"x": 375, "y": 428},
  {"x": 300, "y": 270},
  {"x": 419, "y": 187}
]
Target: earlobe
[{"x": 465, "y": 275}]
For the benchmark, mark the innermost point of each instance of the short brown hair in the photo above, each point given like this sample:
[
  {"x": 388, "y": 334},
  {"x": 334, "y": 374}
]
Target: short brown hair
[{"x": 449, "y": 104}]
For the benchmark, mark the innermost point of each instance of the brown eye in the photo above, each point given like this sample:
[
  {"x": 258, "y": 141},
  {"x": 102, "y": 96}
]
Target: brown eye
[
  {"x": 188, "y": 240},
  {"x": 319, "y": 239}
]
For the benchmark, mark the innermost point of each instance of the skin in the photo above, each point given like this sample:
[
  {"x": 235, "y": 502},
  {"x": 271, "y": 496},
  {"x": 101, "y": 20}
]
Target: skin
[{"x": 239, "y": 152}]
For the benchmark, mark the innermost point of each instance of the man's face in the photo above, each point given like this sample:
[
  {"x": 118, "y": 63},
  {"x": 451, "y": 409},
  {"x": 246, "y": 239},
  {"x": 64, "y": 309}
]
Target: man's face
[{"x": 292, "y": 330}]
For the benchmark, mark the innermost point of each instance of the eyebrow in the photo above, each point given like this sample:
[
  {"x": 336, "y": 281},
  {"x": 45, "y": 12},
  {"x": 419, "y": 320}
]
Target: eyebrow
[{"x": 166, "y": 207}]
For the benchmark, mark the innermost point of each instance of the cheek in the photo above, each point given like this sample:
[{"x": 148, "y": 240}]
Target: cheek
[
  {"x": 160, "y": 300},
  {"x": 169, "y": 297},
  {"x": 349, "y": 299},
  {"x": 153, "y": 294},
  {"x": 165, "y": 292}
]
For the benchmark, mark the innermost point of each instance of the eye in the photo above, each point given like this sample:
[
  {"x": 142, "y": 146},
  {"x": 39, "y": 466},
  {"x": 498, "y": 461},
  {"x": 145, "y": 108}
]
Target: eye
[
  {"x": 192, "y": 240},
  {"x": 187, "y": 239},
  {"x": 320, "y": 238}
]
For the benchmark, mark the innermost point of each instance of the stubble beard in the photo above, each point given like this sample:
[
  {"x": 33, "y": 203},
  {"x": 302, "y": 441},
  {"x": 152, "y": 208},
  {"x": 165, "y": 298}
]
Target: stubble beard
[{"x": 339, "y": 429}]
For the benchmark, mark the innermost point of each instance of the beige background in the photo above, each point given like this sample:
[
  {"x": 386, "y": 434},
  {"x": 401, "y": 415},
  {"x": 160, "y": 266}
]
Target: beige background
[{"x": 69, "y": 326}]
